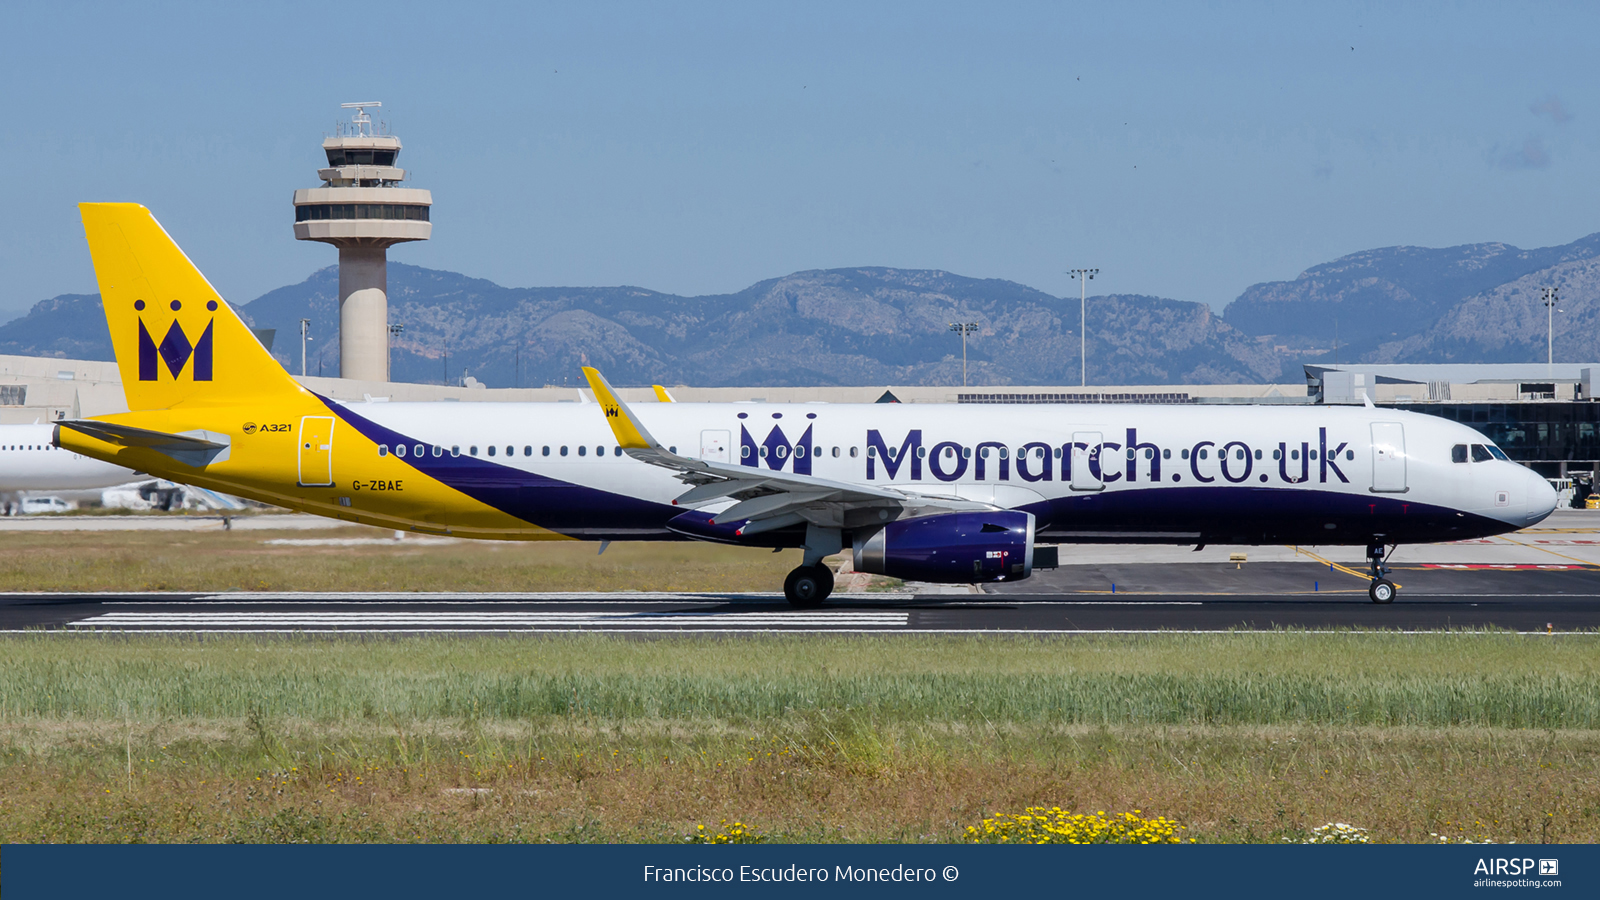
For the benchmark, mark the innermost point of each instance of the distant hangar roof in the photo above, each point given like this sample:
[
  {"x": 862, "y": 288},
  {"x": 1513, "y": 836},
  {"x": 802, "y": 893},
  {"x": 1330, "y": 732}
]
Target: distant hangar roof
[{"x": 1458, "y": 373}]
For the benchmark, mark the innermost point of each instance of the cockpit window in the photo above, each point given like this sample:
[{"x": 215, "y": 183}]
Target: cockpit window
[
  {"x": 1498, "y": 453},
  {"x": 1480, "y": 453},
  {"x": 1458, "y": 453}
]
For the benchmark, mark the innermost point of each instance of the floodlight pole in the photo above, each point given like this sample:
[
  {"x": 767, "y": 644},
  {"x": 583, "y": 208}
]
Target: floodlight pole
[
  {"x": 305, "y": 335},
  {"x": 964, "y": 328},
  {"x": 1083, "y": 276},
  {"x": 395, "y": 330},
  {"x": 1550, "y": 327}
]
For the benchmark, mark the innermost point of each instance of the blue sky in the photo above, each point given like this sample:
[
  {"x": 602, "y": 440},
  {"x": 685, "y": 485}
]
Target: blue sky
[{"x": 1187, "y": 150}]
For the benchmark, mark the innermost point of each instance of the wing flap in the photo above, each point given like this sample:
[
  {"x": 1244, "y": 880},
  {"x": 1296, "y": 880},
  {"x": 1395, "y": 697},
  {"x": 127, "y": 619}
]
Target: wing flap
[{"x": 767, "y": 499}]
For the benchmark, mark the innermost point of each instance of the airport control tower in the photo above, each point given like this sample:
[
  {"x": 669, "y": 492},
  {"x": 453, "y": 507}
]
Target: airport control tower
[{"x": 361, "y": 209}]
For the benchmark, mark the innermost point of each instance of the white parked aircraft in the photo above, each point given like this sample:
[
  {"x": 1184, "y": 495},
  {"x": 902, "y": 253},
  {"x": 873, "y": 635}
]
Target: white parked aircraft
[{"x": 29, "y": 461}]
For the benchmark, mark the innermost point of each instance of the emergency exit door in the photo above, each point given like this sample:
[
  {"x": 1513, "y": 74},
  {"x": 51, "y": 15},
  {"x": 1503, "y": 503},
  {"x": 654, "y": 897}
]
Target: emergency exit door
[
  {"x": 316, "y": 451},
  {"x": 1086, "y": 462},
  {"x": 714, "y": 445},
  {"x": 1388, "y": 458}
]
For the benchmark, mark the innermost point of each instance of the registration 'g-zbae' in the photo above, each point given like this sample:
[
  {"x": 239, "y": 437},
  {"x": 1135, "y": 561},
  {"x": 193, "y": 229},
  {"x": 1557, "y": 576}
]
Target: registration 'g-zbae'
[{"x": 958, "y": 494}]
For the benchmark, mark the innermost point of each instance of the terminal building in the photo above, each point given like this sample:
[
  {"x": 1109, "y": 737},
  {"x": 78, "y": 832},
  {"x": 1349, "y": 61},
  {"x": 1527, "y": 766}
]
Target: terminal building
[{"x": 1541, "y": 415}]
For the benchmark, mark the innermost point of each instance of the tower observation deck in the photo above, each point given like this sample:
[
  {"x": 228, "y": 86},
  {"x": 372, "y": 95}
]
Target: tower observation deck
[{"x": 362, "y": 210}]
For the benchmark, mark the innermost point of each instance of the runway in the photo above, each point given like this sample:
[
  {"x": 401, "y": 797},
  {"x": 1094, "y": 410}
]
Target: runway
[
  {"x": 1541, "y": 579},
  {"x": 1075, "y": 599}
]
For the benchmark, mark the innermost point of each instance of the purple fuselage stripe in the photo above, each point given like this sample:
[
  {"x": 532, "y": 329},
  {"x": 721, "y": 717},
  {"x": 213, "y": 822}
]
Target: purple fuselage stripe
[{"x": 548, "y": 503}]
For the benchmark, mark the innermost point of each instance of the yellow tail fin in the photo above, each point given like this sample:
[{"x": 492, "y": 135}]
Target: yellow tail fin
[{"x": 177, "y": 341}]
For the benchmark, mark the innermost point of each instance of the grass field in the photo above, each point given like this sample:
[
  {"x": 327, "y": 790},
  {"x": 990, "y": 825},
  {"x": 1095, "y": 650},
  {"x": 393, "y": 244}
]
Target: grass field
[
  {"x": 1245, "y": 737},
  {"x": 242, "y": 560}
]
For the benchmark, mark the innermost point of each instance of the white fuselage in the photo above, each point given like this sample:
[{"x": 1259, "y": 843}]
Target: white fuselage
[
  {"x": 30, "y": 462},
  {"x": 1236, "y": 474}
]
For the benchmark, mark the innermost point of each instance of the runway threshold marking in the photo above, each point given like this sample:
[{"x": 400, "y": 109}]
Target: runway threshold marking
[
  {"x": 1131, "y": 602},
  {"x": 488, "y": 619},
  {"x": 1274, "y": 630}
]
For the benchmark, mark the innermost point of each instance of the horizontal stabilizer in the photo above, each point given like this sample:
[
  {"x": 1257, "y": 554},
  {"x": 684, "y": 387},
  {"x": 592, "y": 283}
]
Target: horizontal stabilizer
[{"x": 196, "y": 449}]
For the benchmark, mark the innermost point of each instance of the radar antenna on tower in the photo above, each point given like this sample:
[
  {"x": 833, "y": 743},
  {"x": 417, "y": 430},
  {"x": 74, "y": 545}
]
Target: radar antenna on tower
[{"x": 360, "y": 123}]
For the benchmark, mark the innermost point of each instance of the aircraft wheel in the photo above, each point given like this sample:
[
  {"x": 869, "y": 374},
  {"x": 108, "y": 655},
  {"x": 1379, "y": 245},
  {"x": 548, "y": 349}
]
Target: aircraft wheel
[
  {"x": 1381, "y": 591},
  {"x": 808, "y": 586}
]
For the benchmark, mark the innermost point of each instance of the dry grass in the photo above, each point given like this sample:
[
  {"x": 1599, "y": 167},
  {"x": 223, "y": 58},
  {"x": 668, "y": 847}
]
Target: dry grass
[
  {"x": 452, "y": 781},
  {"x": 241, "y": 560},
  {"x": 844, "y": 739}
]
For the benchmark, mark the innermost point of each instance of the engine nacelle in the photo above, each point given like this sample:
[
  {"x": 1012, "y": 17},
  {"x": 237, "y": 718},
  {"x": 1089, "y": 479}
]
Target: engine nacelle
[{"x": 953, "y": 548}]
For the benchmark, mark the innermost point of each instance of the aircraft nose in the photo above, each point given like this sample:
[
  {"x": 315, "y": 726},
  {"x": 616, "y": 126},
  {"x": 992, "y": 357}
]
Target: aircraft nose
[{"x": 1541, "y": 498}]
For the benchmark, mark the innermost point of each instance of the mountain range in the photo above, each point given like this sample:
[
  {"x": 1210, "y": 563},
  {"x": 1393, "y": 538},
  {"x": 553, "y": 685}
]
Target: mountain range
[{"x": 869, "y": 326}]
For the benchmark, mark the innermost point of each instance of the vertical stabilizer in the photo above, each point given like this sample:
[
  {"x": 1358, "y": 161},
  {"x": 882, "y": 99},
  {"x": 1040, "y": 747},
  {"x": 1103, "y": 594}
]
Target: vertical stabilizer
[{"x": 177, "y": 341}]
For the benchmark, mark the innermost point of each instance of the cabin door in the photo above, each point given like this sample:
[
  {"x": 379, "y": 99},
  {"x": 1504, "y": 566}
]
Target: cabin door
[
  {"x": 316, "y": 451},
  {"x": 1388, "y": 458}
]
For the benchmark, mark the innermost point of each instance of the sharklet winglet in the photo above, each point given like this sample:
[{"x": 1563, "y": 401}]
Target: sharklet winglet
[{"x": 630, "y": 432}]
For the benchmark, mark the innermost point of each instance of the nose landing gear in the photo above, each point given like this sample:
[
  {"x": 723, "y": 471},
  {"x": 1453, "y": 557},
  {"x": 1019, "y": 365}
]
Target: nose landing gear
[{"x": 1381, "y": 590}]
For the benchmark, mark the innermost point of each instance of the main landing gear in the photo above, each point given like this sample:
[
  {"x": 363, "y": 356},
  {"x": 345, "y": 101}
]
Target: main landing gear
[
  {"x": 812, "y": 582},
  {"x": 808, "y": 586},
  {"x": 1381, "y": 590}
]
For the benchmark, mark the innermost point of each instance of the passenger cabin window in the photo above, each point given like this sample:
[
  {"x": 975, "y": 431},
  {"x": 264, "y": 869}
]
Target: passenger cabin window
[
  {"x": 491, "y": 450},
  {"x": 618, "y": 452},
  {"x": 583, "y": 449},
  {"x": 473, "y": 450},
  {"x": 512, "y": 451},
  {"x": 853, "y": 452},
  {"x": 383, "y": 449},
  {"x": 563, "y": 450},
  {"x": 1480, "y": 453}
]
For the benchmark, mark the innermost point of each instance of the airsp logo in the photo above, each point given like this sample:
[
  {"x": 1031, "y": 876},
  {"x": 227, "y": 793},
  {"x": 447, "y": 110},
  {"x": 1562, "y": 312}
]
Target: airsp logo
[
  {"x": 249, "y": 428},
  {"x": 1549, "y": 867}
]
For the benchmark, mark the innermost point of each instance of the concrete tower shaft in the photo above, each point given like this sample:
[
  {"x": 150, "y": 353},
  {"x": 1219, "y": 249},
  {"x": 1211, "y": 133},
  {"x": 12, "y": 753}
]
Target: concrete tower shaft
[{"x": 361, "y": 209}]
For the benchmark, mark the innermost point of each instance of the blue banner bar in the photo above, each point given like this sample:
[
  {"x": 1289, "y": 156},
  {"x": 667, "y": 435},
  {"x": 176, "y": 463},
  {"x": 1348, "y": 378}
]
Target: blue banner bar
[{"x": 396, "y": 872}]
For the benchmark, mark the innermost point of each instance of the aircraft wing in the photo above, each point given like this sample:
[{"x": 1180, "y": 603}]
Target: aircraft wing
[
  {"x": 765, "y": 499},
  {"x": 192, "y": 448}
]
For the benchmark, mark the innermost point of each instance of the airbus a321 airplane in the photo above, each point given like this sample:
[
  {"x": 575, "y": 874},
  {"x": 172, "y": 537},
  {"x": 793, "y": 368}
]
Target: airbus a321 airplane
[{"x": 953, "y": 494}]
